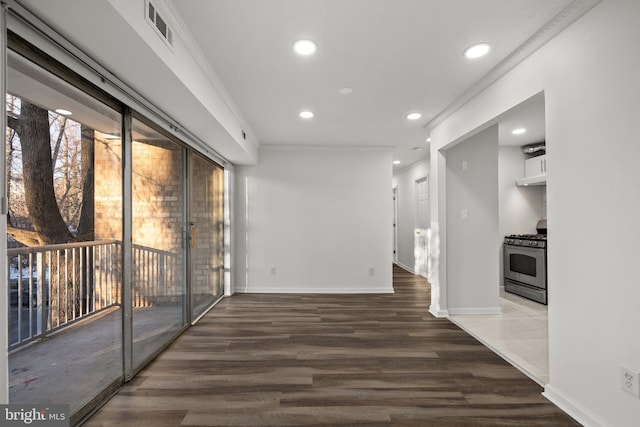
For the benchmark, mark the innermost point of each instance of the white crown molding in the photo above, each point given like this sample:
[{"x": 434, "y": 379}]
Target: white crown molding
[
  {"x": 329, "y": 147},
  {"x": 551, "y": 29},
  {"x": 196, "y": 52}
]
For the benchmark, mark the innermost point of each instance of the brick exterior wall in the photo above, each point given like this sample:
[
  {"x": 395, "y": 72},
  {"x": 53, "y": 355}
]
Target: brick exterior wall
[
  {"x": 108, "y": 189},
  {"x": 158, "y": 210},
  {"x": 207, "y": 204},
  {"x": 158, "y": 201}
]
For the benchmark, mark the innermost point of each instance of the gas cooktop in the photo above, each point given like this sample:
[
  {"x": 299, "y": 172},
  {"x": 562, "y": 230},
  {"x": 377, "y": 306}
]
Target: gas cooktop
[
  {"x": 528, "y": 236},
  {"x": 530, "y": 240}
]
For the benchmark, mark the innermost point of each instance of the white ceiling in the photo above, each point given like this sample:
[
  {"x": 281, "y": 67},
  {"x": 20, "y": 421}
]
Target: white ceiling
[
  {"x": 528, "y": 115},
  {"x": 398, "y": 56}
]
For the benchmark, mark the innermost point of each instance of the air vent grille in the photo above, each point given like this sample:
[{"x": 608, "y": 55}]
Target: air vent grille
[{"x": 159, "y": 24}]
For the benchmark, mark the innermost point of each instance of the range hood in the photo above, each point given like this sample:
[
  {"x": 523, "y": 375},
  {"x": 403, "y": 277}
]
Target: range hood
[{"x": 532, "y": 180}]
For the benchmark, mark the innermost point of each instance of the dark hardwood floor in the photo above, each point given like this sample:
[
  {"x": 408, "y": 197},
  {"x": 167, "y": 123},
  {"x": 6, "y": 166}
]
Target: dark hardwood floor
[{"x": 366, "y": 360}]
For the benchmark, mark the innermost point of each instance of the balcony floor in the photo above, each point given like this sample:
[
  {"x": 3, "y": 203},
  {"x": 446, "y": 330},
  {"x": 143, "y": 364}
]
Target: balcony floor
[{"x": 72, "y": 365}]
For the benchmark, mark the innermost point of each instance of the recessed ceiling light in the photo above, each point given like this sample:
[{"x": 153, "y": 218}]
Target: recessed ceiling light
[
  {"x": 428, "y": 139},
  {"x": 305, "y": 47},
  {"x": 477, "y": 50},
  {"x": 306, "y": 114},
  {"x": 414, "y": 116},
  {"x": 63, "y": 112},
  {"x": 418, "y": 148},
  {"x": 396, "y": 162},
  {"x": 345, "y": 91},
  {"x": 518, "y": 131}
]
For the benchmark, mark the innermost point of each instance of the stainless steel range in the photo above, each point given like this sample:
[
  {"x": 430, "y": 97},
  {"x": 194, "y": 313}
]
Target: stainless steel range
[{"x": 525, "y": 266}]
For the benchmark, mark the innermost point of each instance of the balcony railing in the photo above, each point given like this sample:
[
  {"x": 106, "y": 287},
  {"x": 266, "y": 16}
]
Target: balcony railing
[
  {"x": 57, "y": 285},
  {"x": 53, "y": 286},
  {"x": 155, "y": 277}
]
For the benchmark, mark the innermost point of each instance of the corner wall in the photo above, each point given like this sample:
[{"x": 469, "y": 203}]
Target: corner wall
[
  {"x": 315, "y": 220},
  {"x": 472, "y": 225},
  {"x": 589, "y": 76}
]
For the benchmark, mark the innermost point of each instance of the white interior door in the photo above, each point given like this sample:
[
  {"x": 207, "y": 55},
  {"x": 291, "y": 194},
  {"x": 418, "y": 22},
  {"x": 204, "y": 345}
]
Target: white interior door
[
  {"x": 395, "y": 225},
  {"x": 421, "y": 241}
]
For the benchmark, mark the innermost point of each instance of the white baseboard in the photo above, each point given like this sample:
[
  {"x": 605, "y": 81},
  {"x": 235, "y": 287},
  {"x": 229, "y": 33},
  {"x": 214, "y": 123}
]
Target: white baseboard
[
  {"x": 437, "y": 312},
  {"x": 576, "y": 411},
  {"x": 315, "y": 289},
  {"x": 474, "y": 310},
  {"x": 409, "y": 269}
]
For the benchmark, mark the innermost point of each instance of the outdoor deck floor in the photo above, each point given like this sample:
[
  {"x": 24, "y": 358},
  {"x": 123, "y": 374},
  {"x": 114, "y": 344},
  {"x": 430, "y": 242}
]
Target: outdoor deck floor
[{"x": 74, "y": 364}]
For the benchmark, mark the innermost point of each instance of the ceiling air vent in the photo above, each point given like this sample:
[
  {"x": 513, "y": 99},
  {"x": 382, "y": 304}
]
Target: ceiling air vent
[{"x": 159, "y": 24}]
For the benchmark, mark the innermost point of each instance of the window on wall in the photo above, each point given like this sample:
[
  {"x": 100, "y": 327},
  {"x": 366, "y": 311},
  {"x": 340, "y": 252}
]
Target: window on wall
[{"x": 64, "y": 239}]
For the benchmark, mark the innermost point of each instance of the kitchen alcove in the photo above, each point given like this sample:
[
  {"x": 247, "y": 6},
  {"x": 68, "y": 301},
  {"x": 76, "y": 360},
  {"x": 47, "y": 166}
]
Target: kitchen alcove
[{"x": 519, "y": 333}]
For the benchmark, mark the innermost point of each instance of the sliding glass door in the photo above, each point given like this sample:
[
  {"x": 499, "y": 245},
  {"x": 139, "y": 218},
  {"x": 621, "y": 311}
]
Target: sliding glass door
[
  {"x": 64, "y": 186},
  {"x": 207, "y": 234},
  {"x": 115, "y": 236},
  {"x": 158, "y": 283}
]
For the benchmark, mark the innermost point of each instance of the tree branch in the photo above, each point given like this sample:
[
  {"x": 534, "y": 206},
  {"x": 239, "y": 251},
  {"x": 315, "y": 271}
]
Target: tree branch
[
  {"x": 63, "y": 123},
  {"x": 26, "y": 237}
]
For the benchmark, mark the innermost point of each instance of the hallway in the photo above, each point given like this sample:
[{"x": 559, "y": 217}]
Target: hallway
[{"x": 309, "y": 359}]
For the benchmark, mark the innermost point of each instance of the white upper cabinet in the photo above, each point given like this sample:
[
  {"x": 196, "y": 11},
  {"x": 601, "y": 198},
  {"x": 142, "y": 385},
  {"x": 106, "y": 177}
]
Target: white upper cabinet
[
  {"x": 535, "y": 166},
  {"x": 535, "y": 171}
]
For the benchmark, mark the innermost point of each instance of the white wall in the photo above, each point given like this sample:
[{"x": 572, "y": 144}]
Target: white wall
[
  {"x": 472, "y": 236},
  {"x": 520, "y": 208},
  {"x": 589, "y": 76},
  {"x": 405, "y": 181},
  {"x": 315, "y": 220}
]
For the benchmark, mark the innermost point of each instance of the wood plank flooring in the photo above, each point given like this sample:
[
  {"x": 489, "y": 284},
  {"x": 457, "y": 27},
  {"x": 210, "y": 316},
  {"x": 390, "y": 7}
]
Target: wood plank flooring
[{"x": 360, "y": 360}]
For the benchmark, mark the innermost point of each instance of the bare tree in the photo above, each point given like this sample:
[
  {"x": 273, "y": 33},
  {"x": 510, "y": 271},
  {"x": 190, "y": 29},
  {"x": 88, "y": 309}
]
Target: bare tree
[
  {"x": 86, "y": 223},
  {"x": 32, "y": 126},
  {"x": 38, "y": 165}
]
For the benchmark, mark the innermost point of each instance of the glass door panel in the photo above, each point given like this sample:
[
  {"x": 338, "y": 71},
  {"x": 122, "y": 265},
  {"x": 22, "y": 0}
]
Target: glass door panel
[
  {"x": 64, "y": 186},
  {"x": 207, "y": 233},
  {"x": 158, "y": 256}
]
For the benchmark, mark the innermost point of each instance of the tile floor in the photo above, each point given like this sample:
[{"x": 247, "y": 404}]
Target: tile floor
[{"x": 519, "y": 334}]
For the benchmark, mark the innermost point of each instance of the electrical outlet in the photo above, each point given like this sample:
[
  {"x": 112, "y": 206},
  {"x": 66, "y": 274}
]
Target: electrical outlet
[
  {"x": 631, "y": 381},
  {"x": 372, "y": 271},
  {"x": 274, "y": 271}
]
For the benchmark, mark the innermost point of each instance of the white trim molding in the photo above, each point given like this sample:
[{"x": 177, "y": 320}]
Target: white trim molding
[
  {"x": 554, "y": 27},
  {"x": 474, "y": 310},
  {"x": 576, "y": 411},
  {"x": 315, "y": 289},
  {"x": 195, "y": 50},
  {"x": 405, "y": 267},
  {"x": 436, "y": 312}
]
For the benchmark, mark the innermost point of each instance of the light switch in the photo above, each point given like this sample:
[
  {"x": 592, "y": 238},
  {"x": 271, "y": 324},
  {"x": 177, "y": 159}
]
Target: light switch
[
  {"x": 464, "y": 214},
  {"x": 465, "y": 165}
]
